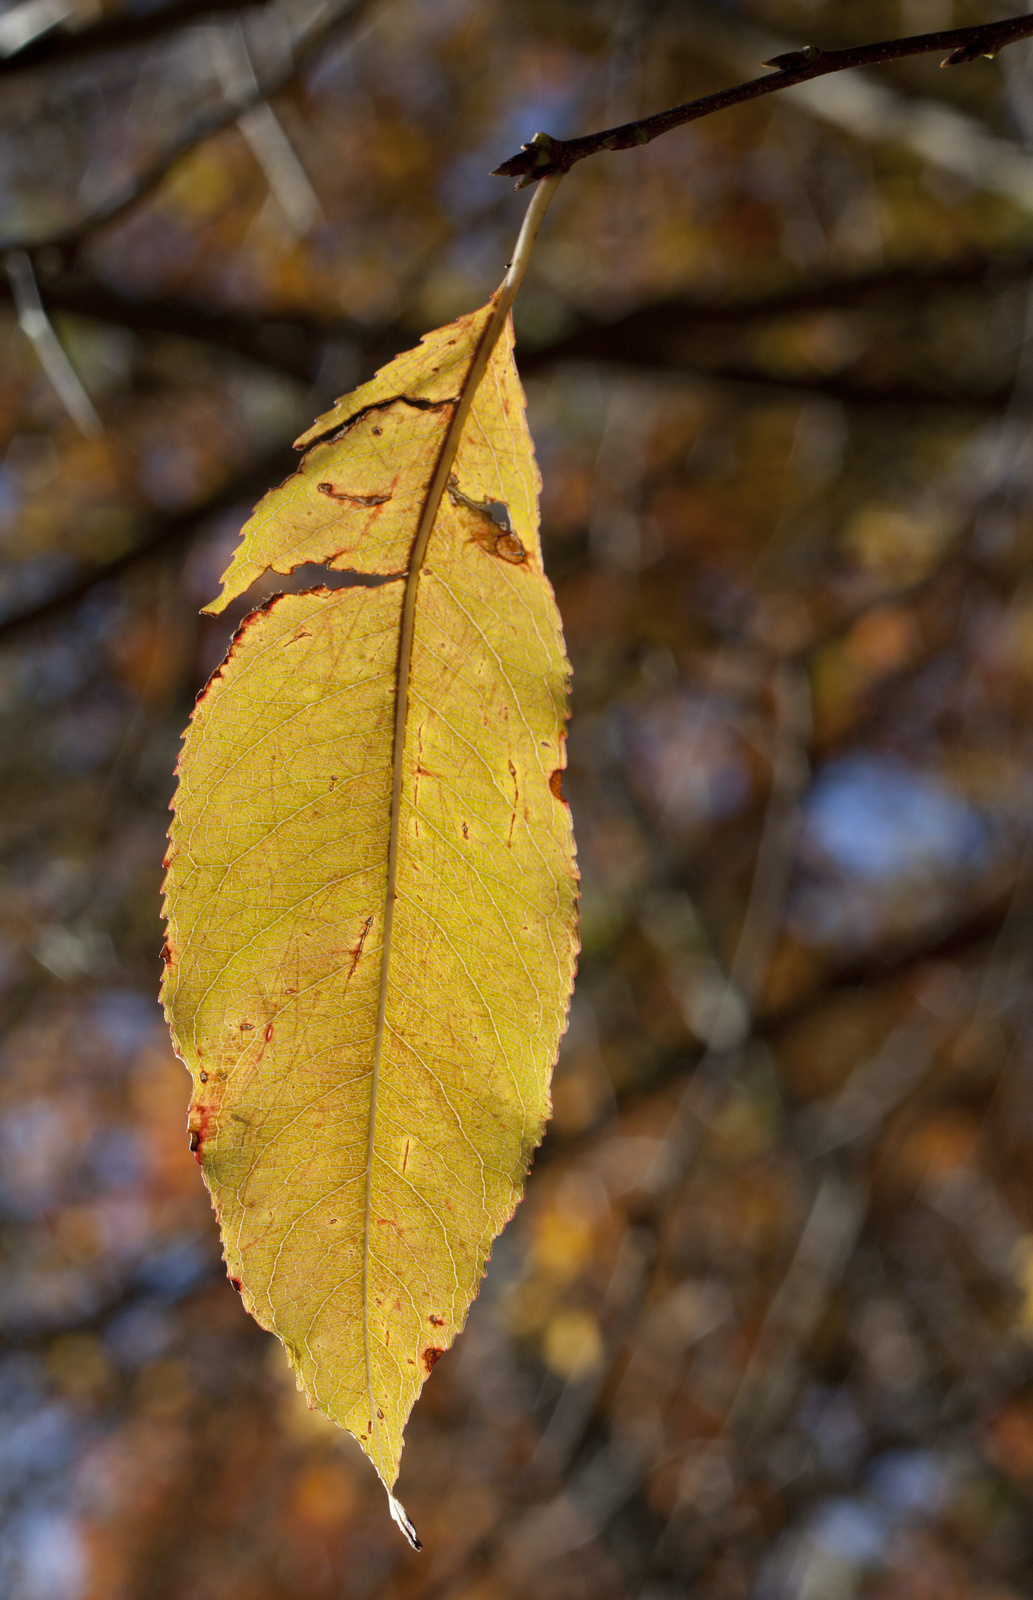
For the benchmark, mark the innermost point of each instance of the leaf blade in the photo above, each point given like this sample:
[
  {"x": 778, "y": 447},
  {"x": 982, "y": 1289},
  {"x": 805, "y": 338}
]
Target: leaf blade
[{"x": 486, "y": 888}]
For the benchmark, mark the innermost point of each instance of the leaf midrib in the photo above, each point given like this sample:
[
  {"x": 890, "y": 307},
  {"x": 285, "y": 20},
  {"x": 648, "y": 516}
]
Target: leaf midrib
[{"x": 403, "y": 674}]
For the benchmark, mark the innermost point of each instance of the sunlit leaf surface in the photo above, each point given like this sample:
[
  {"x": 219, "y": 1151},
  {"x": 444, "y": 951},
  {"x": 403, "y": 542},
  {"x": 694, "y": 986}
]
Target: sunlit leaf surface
[{"x": 365, "y": 1107}]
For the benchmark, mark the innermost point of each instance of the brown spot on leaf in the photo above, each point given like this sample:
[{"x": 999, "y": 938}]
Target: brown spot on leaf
[
  {"x": 357, "y": 952},
  {"x": 247, "y": 1027},
  {"x": 430, "y": 1357},
  {"x": 556, "y": 784},
  {"x": 516, "y": 798},
  {"x": 236, "y": 1284},
  {"x": 353, "y": 499},
  {"x": 439, "y": 1322},
  {"x": 508, "y": 548},
  {"x": 199, "y": 1127},
  {"x": 494, "y": 530}
]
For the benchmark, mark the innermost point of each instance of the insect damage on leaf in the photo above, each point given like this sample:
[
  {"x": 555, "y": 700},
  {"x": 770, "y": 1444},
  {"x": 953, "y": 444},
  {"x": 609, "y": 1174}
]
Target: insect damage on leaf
[
  {"x": 371, "y": 885},
  {"x": 355, "y": 499},
  {"x": 498, "y": 537}
]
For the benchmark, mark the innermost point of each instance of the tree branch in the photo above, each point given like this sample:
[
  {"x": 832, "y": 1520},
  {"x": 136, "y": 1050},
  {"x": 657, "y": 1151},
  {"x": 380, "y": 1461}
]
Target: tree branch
[
  {"x": 649, "y": 339},
  {"x": 948, "y": 940},
  {"x": 37, "y": 328},
  {"x": 198, "y": 129},
  {"x": 543, "y": 155},
  {"x": 112, "y": 33},
  {"x": 293, "y": 343},
  {"x": 287, "y": 342},
  {"x": 160, "y": 534}
]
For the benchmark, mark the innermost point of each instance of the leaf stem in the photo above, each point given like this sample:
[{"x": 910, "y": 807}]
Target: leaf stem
[{"x": 533, "y": 219}]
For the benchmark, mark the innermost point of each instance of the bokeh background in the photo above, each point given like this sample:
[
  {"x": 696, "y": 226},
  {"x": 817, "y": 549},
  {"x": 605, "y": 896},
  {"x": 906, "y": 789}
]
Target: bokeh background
[{"x": 764, "y": 1323}]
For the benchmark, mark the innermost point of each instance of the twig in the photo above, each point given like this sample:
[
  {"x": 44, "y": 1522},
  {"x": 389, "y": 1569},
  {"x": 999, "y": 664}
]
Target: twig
[
  {"x": 543, "y": 155},
  {"x": 36, "y": 326}
]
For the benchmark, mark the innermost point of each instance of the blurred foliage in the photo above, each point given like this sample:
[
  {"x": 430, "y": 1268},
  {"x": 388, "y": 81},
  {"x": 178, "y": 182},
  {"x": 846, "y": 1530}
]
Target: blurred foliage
[{"x": 764, "y": 1325}]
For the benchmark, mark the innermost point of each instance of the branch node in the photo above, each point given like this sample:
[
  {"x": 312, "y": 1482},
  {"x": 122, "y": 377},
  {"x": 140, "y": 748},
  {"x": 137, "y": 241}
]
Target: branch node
[
  {"x": 535, "y": 156},
  {"x": 969, "y": 52},
  {"x": 792, "y": 60}
]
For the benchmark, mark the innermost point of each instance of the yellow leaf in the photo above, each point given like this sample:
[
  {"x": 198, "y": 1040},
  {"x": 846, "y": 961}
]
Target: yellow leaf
[{"x": 371, "y": 1070}]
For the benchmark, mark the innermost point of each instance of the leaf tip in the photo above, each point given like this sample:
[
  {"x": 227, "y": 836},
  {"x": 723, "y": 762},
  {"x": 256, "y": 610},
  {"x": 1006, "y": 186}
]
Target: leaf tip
[{"x": 398, "y": 1515}]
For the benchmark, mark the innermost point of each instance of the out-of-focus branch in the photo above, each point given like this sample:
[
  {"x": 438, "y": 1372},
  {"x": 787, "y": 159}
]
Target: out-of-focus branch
[
  {"x": 622, "y": 351},
  {"x": 168, "y": 532},
  {"x": 36, "y": 326},
  {"x": 287, "y": 343},
  {"x": 111, "y": 33},
  {"x": 648, "y": 336},
  {"x": 660, "y": 334},
  {"x": 159, "y": 536},
  {"x": 974, "y": 928},
  {"x": 207, "y": 123},
  {"x": 823, "y": 1248},
  {"x": 543, "y": 155},
  {"x": 885, "y": 964},
  {"x": 646, "y": 326},
  {"x": 900, "y": 284},
  {"x": 776, "y": 851},
  {"x": 294, "y": 345},
  {"x": 287, "y": 179}
]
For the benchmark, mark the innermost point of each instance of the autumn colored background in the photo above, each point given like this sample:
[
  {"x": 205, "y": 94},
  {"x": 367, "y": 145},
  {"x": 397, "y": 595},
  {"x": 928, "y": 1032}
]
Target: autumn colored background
[{"x": 764, "y": 1324}]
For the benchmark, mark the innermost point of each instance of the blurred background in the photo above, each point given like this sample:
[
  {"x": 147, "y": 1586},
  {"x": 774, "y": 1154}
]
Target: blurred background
[{"x": 764, "y": 1323}]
